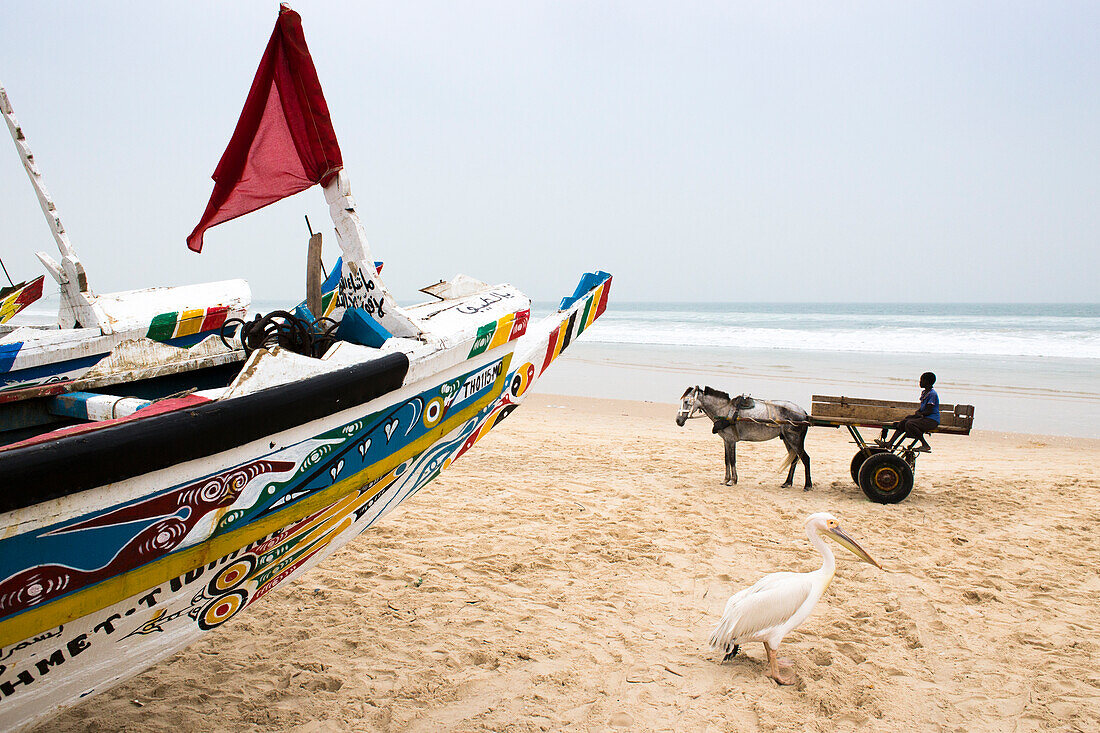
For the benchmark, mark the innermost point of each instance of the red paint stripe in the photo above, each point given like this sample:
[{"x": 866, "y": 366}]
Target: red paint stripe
[
  {"x": 519, "y": 326},
  {"x": 551, "y": 348},
  {"x": 468, "y": 444},
  {"x": 603, "y": 299},
  {"x": 42, "y": 390},
  {"x": 215, "y": 317},
  {"x": 32, "y": 292},
  {"x": 283, "y": 575},
  {"x": 178, "y": 403}
]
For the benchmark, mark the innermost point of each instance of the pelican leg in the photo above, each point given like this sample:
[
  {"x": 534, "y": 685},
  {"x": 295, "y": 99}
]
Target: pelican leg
[{"x": 774, "y": 666}]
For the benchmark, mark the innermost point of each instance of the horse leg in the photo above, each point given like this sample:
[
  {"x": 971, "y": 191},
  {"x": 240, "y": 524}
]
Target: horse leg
[
  {"x": 805, "y": 458},
  {"x": 733, "y": 460},
  {"x": 790, "y": 449},
  {"x": 726, "y": 461}
]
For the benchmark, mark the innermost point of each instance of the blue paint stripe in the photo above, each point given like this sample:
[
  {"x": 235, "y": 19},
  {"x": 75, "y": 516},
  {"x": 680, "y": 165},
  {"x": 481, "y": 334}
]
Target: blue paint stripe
[
  {"x": 74, "y": 404},
  {"x": 186, "y": 342},
  {"x": 8, "y": 352},
  {"x": 333, "y": 278},
  {"x": 589, "y": 282},
  {"x": 33, "y": 376}
]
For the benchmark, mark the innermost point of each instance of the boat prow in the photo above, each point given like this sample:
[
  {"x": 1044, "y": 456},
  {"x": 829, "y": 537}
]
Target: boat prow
[{"x": 167, "y": 462}]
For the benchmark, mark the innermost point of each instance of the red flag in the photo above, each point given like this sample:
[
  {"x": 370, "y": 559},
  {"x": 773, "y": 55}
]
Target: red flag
[{"x": 284, "y": 141}]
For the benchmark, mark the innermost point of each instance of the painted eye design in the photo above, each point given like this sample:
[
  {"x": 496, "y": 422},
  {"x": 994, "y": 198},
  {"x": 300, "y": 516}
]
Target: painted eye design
[
  {"x": 521, "y": 379},
  {"x": 433, "y": 412}
]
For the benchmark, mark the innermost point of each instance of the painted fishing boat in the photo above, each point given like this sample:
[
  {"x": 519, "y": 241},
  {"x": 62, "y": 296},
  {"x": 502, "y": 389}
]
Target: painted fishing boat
[
  {"x": 18, "y": 296},
  {"x": 165, "y": 463}
]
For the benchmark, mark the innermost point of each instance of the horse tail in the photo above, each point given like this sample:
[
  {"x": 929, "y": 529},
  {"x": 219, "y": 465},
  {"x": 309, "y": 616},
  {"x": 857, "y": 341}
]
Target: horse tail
[{"x": 792, "y": 456}]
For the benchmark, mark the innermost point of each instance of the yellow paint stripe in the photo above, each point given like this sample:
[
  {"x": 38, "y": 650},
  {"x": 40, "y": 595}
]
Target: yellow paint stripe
[
  {"x": 318, "y": 528},
  {"x": 596, "y": 295},
  {"x": 318, "y": 540},
  {"x": 8, "y": 305},
  {"x": 334, "y": 510},
  {"x": 112, "y": 590},
  {"x": 190, "y": 322},
  {"x": 504, "y": 330},
  {"x": 563, "y": 329},
  {"x": 337, "y": 513}
]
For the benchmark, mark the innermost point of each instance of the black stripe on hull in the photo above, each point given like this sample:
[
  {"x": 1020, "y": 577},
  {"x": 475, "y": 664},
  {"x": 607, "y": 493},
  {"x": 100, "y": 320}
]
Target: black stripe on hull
[
  {"x": 75, "y": 463},
  {"x": 569, "y": 331}
]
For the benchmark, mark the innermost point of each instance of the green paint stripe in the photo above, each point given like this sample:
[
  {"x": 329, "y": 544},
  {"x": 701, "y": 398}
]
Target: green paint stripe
[
  {"x": 484, "y": 338},
  {"x": 584, "y": 318},
  {"x": 163, "y": 326}
]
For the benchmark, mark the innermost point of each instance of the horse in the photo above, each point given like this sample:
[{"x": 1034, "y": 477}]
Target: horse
[{"x": 743, "y": 418}]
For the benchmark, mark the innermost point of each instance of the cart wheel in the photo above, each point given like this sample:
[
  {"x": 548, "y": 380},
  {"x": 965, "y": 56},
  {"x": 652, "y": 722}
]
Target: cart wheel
[
  {"x": 885, "y": 478},
  {"x": 857, "y": 460}
]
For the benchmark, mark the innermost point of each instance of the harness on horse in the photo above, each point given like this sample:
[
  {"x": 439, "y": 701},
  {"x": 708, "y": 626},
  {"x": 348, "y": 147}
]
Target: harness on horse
[{"x": 743, "y": 402}]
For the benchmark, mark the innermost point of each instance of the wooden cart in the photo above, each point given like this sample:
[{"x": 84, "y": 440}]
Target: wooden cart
[{"x": 886, "y": 476}]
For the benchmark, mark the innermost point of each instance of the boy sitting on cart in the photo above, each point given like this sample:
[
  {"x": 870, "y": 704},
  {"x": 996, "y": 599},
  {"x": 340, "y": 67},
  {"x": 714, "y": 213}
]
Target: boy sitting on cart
[{"x": 926, "y": 419}]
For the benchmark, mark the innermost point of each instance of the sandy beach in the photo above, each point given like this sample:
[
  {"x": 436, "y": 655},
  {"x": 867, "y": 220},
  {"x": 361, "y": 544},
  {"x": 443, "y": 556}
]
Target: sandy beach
[{"x": 566, "y": 574}]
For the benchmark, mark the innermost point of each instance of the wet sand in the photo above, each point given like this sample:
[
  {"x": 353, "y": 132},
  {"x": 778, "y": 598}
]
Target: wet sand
[{"x": 565, "y": 574}]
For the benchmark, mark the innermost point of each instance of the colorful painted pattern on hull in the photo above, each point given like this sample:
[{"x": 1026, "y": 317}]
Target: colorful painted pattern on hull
[
  {"x": 585, "y": 309},
  {"x": 18, "y": 297},
  {"x": 27, "y": 365},
  {"x": 178, "y": 324},
  {"x": 592, "y": 307},
  {"x": 500, "y": 332},
  {"x": 60, "y": 572},
  {"x": 116, "y": 630}
]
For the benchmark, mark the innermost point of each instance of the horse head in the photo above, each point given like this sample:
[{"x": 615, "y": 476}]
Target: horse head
[{"x": 689, "y": 403}]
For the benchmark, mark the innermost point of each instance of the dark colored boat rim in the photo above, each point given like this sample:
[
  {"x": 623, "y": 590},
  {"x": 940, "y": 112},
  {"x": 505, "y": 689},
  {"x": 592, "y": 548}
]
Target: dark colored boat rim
[{"x": 75, "y": 463}]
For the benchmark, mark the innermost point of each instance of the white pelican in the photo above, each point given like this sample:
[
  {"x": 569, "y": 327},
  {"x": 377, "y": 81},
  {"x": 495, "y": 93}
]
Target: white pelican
[{"x": 781, "y": 601}]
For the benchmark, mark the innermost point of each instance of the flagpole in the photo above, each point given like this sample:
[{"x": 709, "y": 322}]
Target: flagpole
[{"x": 6, "y": 272}]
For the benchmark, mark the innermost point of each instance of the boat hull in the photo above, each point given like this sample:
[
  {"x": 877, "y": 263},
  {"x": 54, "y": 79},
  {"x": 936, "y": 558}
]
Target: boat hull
[{"x": 98, "y": 585}]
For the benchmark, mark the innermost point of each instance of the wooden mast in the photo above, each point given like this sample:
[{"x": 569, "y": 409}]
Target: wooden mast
[
  {"x": 78, "y": 303},
  {"x": 360, "y": 284}
]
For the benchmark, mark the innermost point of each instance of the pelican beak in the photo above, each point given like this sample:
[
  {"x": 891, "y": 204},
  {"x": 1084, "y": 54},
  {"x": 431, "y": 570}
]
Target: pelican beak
[{"x": 852, "y": 546}]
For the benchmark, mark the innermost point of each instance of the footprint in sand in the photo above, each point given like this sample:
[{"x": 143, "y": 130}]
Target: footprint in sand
[
  {"x": 850, "y": 651},
  {"x": 621, "y": 720}
]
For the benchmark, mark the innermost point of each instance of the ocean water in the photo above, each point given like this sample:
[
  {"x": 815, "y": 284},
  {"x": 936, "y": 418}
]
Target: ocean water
[
  {"x": 990, "y": 330},
  {"x": 1031, "y": 368}
]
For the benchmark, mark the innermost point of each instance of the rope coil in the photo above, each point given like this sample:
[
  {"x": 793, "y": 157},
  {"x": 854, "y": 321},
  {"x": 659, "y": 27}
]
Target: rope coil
[{"x": 282, "y": 329}]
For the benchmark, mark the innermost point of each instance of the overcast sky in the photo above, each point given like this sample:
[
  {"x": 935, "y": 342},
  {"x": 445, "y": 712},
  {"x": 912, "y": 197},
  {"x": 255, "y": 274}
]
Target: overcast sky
[{"x": 698, "y": 151}]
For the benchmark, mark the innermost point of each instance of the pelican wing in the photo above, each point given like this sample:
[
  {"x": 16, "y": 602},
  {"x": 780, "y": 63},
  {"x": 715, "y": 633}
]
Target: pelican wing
[{"x": 751, "y": 614}]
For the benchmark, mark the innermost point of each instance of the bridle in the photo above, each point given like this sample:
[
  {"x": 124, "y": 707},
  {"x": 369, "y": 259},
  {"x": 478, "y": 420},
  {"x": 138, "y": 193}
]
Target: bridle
[{"x": 689, "y": 406}]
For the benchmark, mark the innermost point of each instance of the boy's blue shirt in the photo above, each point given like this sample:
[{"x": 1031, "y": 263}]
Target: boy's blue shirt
[{"x": 931, "y": 398}]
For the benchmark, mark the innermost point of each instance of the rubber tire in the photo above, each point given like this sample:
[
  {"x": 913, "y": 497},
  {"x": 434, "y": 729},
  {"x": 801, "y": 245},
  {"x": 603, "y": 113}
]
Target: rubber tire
[
  {"x": 886, "y": 478},
  {"x": 857, "y": 461}
]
